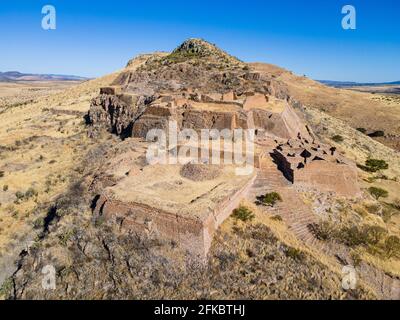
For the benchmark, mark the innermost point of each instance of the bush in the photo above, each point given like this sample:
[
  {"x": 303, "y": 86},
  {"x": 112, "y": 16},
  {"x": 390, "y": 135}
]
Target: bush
[
  {"x": 1, "y": 174},
  {"x": 376, "y": 134},
  {"x": 378, "y": 192},
  {"x": 374, "y": 234},
  {"x": 5, "y": 188},
  {"x": 392, "y": 246},
  {"x": 269, "y": 199},
  {"x": 353, "y": 236},
  {"x": 337, "y": 138},
  {"x": 387, "y": 213},
  {"x": 377, "y": 164},
  {"x": 295, "y": 254},
  {"x": 362, "y": 130},
  {"x": 19, "y": 195},
  {"x": 30, "y": 193},
  {"x": 396, "y": 204},
  {"x": 374, "y": 165},
  {"x": 322, "y": 231},
  {"x": 243, "y": 213},
  {"x": 6, "y": 287},
  {"x": 39, "y": 223}
]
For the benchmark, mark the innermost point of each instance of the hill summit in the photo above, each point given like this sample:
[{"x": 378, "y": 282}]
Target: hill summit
[
  {"x": 194, "y": 51},
  {"x": 199, "y": 48}
]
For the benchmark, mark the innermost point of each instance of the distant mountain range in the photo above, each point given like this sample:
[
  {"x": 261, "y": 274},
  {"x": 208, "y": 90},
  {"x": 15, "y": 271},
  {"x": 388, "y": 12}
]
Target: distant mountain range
[
  {"x": 11, "y": 76},
  {"x": 341, "y": 84}
]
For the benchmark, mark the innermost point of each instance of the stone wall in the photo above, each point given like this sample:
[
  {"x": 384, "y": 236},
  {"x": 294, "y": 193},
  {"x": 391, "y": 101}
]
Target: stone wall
[{"x": 190, "y": 233}]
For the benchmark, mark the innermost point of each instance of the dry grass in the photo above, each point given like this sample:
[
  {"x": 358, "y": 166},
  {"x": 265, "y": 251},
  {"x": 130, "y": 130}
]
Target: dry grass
[{"x": 40, "y": 149}]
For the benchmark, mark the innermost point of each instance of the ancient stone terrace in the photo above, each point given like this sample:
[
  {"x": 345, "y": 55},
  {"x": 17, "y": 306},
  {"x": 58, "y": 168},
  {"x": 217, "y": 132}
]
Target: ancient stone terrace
[
  {"x": 128, "y": 114},
  {"x": 315, "y": 165},
  {"x": 184, "y": 204}
]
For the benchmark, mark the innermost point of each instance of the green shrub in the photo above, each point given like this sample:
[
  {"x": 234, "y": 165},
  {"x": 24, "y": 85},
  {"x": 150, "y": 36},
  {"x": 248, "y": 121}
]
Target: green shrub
[
  {"x": 30, "y": 193},
  {"x": 5, "y": 188},
  {"x": 374, "y": 165},
  {"x": 392, "y": 246},
  {"x": 269, "y": 199},
  {"x": 337, "y": 138},
  {"x": 243, "y": 213},
  {"x": 2, "y": 174},
  {"x": 377, "y": 164},
  {"x": 19, "y": 195},
  {"x": 378, "y": 192}
]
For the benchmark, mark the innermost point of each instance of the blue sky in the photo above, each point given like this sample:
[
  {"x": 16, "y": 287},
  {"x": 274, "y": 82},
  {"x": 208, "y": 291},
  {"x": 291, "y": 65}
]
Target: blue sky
[{"x": 97, "y": 37}]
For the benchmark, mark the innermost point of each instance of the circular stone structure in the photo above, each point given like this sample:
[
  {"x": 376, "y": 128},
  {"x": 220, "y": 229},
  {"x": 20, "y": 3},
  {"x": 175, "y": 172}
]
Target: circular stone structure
[{"x": 200, "y": 172}]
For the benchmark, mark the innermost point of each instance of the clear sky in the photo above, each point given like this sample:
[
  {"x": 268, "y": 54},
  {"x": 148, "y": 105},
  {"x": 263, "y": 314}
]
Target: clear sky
[{"x": 97, "y": 37}]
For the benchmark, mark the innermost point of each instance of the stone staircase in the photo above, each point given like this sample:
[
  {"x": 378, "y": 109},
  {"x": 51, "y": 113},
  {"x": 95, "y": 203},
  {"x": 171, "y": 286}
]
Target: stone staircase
[
  {"x": 298, "y": 216},
  {"x": 294, "y": 212}
]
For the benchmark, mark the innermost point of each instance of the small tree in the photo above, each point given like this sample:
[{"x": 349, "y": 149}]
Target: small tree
[
  {"x": 378, "y": 192},
  {"x": 243, "y": 213},
  {"x": 377, "y": 164},
  {"x": 374, "y": 165},
  {"x": 392, "y": 246}
]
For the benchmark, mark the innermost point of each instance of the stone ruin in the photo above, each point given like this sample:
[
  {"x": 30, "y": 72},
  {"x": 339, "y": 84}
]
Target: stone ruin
[
  {"x": 315, "y": 165},
  {"x": 130, "y": 115},
  {"x": 159, "y": 200}
]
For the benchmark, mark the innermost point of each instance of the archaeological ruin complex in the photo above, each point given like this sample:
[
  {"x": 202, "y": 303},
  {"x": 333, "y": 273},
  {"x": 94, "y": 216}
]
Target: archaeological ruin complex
[{"x": 158, "y": 199}]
